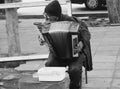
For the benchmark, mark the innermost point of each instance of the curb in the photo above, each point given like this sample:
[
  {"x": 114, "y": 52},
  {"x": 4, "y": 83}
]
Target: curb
[
  {"x": 95, "y": 15},
  {"x": 25, "y": 16}
]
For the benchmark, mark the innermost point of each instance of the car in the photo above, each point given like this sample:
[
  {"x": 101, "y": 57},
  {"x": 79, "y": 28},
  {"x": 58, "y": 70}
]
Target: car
[{"x": 91, "y": 4}]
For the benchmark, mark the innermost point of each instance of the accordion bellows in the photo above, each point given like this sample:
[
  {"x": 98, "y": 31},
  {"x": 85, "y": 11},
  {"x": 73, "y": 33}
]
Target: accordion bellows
[{"x": 63, "y": 37}]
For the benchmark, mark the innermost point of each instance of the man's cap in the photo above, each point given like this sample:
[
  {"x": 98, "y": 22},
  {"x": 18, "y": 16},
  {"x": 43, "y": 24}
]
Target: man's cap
[{"x": 53, "y": 9}]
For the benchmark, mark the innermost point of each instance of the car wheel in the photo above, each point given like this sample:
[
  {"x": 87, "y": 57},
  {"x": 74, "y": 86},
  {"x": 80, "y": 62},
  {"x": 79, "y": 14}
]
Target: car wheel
[{"x": 92, "y": 4}]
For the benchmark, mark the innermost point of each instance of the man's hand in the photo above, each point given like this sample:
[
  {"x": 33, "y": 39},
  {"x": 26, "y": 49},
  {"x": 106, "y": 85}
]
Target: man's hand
[
  {"x": 80, "y": 46},
  {"x": 42, "y": 42},
  {"x": 39, "y": 25}
]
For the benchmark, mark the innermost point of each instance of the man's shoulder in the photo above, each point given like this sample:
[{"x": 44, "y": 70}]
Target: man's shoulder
[
  {"x": 82, "y": 24},
  {"x": 67, "y": 18},
  {"x": 79, "y": 21}
]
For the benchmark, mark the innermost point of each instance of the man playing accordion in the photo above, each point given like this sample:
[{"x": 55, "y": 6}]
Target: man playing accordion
[{"x": 53, "y": 13}]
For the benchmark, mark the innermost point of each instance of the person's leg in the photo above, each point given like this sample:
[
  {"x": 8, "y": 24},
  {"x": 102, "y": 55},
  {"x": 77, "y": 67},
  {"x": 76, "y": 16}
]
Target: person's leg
[
  {"x": 51, "y": 61},
  {"x": 54, "y": 61},
  {"x": 75, "y": 74}
]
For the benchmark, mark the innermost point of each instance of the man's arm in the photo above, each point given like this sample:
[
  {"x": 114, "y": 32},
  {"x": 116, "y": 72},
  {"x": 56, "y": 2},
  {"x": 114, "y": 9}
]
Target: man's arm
[{"x": 84, "y": 32}]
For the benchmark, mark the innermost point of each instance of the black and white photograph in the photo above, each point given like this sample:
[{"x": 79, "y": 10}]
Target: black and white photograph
[{"x": 59, "y": 44}]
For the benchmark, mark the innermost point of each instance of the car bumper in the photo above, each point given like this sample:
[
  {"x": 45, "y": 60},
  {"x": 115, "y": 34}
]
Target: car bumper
[{"x": 77, "y": 1}]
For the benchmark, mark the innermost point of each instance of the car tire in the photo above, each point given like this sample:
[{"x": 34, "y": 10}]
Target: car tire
[{"x": 92, "y": 4}]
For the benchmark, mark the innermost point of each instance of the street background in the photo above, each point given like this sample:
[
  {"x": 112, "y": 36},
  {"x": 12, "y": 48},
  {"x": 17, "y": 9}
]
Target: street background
[{"x": 105, "y": 44}]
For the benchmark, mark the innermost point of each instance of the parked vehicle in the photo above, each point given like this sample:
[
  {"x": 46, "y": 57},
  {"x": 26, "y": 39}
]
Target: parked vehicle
[{"x": 91, "y": 4}]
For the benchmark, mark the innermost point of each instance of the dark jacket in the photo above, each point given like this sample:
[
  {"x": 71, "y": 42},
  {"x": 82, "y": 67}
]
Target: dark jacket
[{"x": 85, "y": 37}]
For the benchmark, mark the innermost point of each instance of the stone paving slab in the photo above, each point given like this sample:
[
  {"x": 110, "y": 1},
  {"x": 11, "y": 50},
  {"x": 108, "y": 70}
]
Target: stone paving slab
[
  {"x": 104, "y": 65},
  {"x": 100, "y": 58},
  {"x": 95, "y": 88},
  {"x": 118, "y": 65},
  {"x": 117, "y": 73},
  {"x": 106, "y": 52},
  {"x": 98, "y": 83},
  {"x": 101, "y": 73},
  {"x": 116, "y": 84}
]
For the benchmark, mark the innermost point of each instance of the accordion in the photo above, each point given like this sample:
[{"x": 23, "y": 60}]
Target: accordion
[{"x": 63, "y": 38}]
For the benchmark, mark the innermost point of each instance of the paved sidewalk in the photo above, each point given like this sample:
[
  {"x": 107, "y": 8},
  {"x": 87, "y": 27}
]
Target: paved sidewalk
[
  {"x": 105, "y": 44},
  {"x": 106, "y": 54}
]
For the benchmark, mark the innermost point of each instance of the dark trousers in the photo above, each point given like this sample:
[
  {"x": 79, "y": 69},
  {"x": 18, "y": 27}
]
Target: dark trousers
[{"x": 74, "y": 69}]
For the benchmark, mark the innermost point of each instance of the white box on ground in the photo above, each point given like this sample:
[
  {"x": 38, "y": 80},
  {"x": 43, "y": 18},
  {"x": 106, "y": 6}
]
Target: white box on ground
[{"x": 51, "y": 74}]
